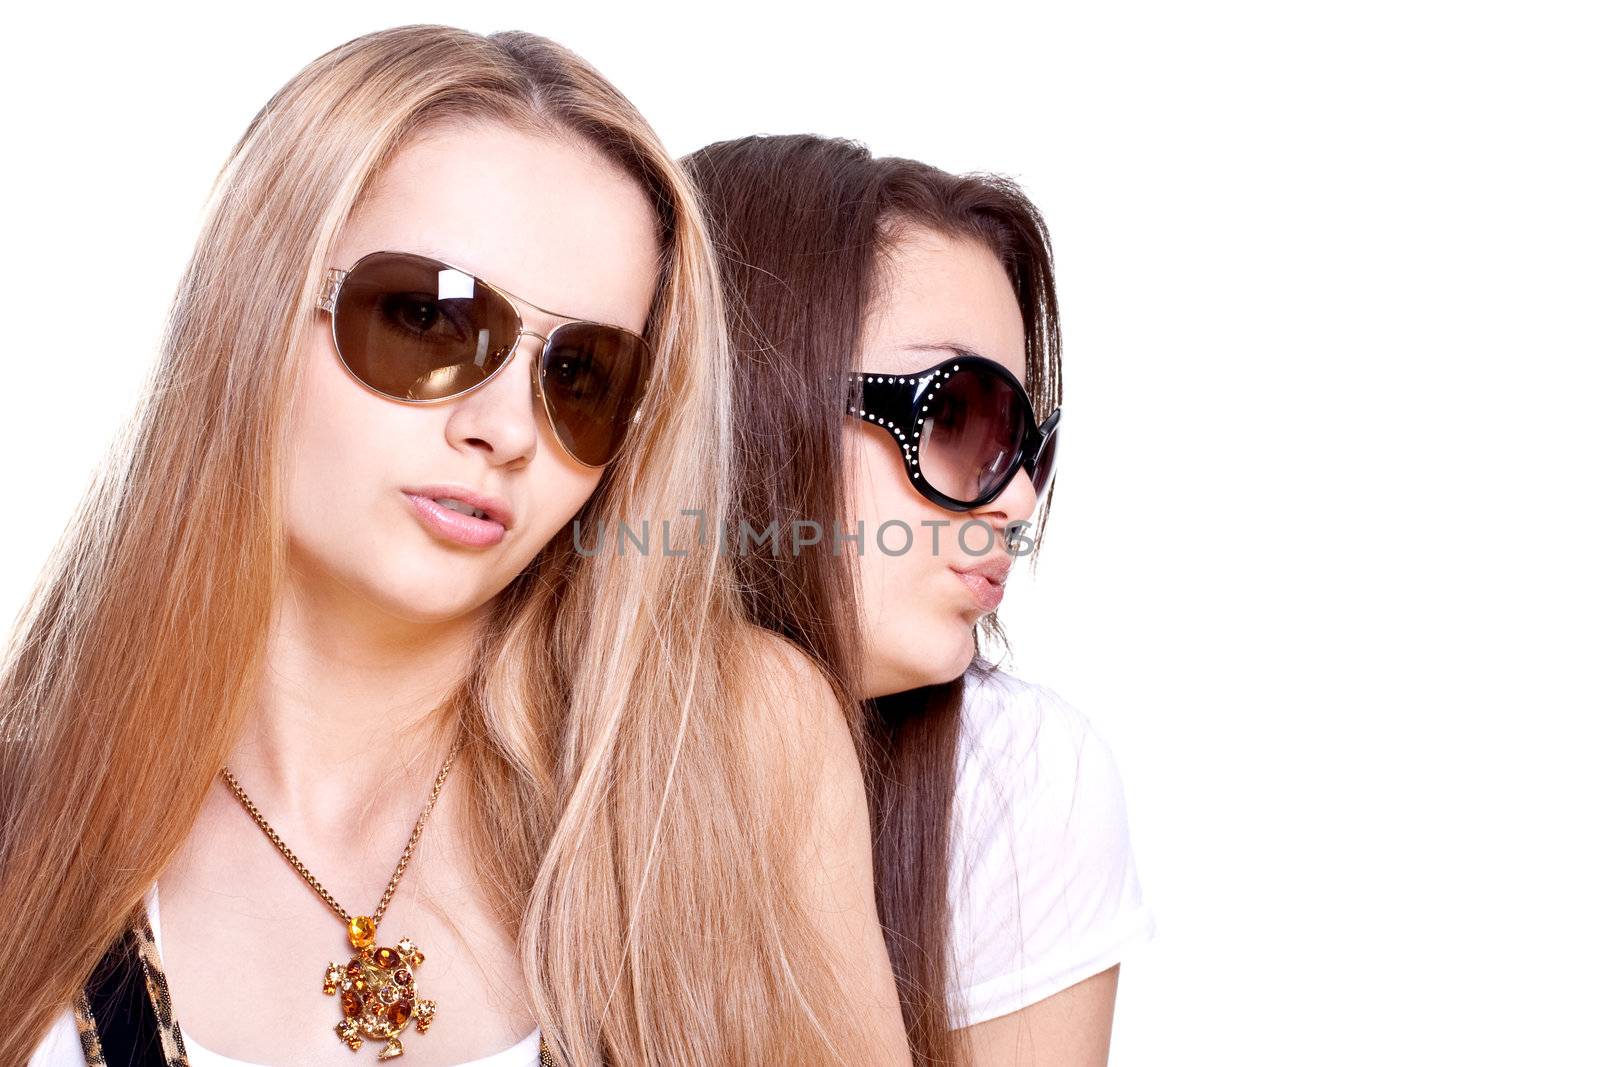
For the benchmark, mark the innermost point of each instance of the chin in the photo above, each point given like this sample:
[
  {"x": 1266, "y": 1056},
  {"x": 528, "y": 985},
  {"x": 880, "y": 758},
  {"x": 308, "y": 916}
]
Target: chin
[
  {"x": 420, "y": 601},
  {"x": 934, "y": 663}
]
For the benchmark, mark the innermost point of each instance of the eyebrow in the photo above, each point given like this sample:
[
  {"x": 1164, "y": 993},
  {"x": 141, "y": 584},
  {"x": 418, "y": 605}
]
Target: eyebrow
[
  {"x": 955, "y": 348},
  {"x": 432, "y": 253}
]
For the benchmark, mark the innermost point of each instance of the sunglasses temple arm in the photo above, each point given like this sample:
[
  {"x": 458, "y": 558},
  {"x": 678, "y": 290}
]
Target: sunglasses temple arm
[{"x": 330, "y": 289}]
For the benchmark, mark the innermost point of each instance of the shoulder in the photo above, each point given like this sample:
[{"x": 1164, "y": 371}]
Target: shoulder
[
  {"x": 790, "y": 706},
  {"x": 802, "y": 745},
  {"x": 805, "y": 757},
  {"x": 1044, "y": 889},
  {"x": 777, "y": 664},
  {"x": 1023, "y": 743},
  {"x": 799, "y": 742},
  {"x": 1032, "y": 764},
  {"x": 803, "y": 762}
]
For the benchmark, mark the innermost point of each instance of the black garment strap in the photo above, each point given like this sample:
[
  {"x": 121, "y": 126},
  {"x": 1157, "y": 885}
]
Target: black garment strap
[{"x": 123, "y": 1014}]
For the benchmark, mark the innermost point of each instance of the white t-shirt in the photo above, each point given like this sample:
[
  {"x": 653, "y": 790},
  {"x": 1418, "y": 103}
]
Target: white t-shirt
[{"x": 1043, "y": 889}]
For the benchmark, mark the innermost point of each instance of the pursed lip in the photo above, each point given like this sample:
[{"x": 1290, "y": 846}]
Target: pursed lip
[
  {"x": 995, "y": 569},
  {"x": 497, "y": 509}
]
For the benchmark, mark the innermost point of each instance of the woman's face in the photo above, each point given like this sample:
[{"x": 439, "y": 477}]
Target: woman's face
[
  {"x": 937, "y": 293},
  {"x": 547, "y": 220}
]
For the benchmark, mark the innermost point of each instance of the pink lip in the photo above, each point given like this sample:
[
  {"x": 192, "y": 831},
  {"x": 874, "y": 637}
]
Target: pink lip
[
  {"x": 986, "y": 579},
  {"x": 454, "y": 526},
  {"x": 986, "y": 592},
  {"x": 493, "y": 506}
]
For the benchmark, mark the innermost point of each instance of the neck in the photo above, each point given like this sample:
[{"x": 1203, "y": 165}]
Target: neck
[{"x": 350, "y": 719}]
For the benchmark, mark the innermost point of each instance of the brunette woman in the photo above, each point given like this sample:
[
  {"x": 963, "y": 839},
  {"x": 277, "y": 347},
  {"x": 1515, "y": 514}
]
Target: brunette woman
[{"x": 897, "y": 379}]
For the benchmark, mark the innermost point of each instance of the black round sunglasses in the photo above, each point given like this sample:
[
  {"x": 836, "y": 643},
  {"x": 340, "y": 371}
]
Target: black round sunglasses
[{"x": 964, "y": 426}]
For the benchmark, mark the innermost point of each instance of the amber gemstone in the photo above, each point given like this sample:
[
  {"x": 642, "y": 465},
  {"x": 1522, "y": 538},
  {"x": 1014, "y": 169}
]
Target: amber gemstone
[
  {"x": 350, "y": 1001},
  {"x": 388, "y": 958},
  {"x": 399, "y": 1012},
  {"x": 402, "y": 977},
  {"x": 362, "y": 931}
]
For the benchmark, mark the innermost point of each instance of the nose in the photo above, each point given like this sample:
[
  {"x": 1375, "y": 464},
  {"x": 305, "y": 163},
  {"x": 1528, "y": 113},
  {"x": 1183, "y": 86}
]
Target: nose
[{"x": 1017, "y": 500}]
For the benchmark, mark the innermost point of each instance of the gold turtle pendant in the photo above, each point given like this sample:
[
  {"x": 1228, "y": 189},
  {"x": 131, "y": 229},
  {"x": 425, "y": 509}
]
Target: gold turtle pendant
[{"x": 377, "y": 990}]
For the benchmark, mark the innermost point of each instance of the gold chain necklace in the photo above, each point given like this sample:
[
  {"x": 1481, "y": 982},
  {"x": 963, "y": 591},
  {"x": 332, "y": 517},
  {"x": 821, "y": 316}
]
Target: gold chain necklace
[{"x": 377, "y": 987}]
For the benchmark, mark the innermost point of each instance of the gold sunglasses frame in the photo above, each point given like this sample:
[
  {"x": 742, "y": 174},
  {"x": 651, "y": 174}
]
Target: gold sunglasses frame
[{"x": 333, "y": 281}]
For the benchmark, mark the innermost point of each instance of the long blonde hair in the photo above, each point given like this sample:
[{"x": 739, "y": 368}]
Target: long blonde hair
[{"x": 611, "y": 819}]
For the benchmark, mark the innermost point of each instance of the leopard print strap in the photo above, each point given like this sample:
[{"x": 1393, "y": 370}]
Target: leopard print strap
[
  {"x": 88, "y": 1031},
  {"x": 124, "y": 1012},
  {"x": 155, "y": 980}
]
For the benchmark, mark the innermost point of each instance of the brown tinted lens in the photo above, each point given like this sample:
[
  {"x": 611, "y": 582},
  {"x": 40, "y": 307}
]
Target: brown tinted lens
[
  {"x": 970, "y": 433},
  {"x": 593, "y": 376},
  {"x": 414, "y": 329}
]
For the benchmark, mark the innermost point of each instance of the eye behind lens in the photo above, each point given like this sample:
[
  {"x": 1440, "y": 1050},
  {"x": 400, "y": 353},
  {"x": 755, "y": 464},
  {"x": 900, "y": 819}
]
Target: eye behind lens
[
  {"x": 413, "y": 328},
  {"x": 971, "y": 434},
  {"x": 593, "y": 376}
]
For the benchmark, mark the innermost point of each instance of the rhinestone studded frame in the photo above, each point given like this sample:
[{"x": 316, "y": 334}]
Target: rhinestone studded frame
[{"x": 900, "y": 403}]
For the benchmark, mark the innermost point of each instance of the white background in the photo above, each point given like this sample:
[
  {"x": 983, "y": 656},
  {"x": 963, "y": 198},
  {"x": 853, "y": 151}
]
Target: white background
[{"x": 1322, "y": 564}]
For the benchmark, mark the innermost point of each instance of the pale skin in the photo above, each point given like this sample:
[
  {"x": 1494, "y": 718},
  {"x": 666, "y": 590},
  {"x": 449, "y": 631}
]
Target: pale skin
[
  {"x": 918, "y": 617},
  {"x": 375, "y": 626}
]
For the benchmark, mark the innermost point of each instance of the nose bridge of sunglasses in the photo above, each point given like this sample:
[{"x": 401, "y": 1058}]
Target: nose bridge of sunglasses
[
  {"x": 513, "y": 301},
  {"x": 507, "y": 351}
]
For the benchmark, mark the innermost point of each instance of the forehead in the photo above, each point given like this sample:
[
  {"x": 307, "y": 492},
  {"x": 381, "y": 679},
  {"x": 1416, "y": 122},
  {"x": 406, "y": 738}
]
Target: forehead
[
  {"x": 936, "y": 295},
  {"x": 546, "y": 218}
]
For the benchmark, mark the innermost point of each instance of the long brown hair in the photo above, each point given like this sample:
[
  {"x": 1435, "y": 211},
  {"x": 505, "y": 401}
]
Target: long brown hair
[
  {"x": 605, "y": 712},
  {"x": 802, "y": 225}
]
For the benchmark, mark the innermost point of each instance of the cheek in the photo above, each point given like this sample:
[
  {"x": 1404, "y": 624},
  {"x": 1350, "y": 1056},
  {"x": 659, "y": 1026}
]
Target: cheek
[
  {"x": 553, "y": 492},
  {"x": 349, "y": 527},
  {"x": 338, "y": 438},
  {"x": 879, "y": 491},
  {"x": 915, "y": 628},
  {"x": 884, "y": 500},
  {"x": 883, "y": 496}
]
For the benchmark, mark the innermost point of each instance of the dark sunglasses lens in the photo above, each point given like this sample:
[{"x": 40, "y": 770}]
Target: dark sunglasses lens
[
  {"x": 593, "y": 376},
  {"x": 970, "y": 434},
  {"x": 414, "y": 329}
]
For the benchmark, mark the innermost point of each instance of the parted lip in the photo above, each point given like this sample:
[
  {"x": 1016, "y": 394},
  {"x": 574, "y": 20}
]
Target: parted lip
[
  {"x": 995, "y": 569},
  {"x": 497, "y": 509}
]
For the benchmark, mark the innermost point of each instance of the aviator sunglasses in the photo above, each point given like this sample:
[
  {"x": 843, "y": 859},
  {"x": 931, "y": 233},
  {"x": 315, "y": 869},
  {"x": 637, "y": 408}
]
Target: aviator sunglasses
[
  {"x": 963, "y": 427},
  {"x": 416, "y": 329}
]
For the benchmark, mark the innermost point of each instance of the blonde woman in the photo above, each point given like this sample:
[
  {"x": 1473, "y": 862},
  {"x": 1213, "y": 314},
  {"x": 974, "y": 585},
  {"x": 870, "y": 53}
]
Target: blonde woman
[{"x": 322, "y": 733}]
